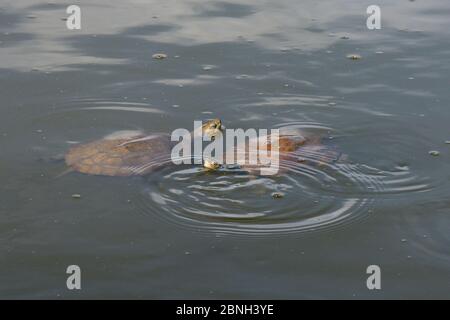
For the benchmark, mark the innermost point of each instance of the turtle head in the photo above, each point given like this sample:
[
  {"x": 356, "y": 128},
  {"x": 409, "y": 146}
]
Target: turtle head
[
  {"x": 211, "y": 164},
  {"x": 212, "y": 128}
]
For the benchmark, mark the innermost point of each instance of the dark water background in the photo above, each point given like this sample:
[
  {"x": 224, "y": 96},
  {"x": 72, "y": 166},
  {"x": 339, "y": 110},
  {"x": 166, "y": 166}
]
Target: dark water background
[{"x": 182, "y": 233}]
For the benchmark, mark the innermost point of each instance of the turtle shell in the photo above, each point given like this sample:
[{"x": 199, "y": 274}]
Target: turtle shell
[{"x": 120, "y": 155}]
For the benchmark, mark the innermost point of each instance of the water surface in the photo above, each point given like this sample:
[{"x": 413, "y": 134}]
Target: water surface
[{"x": 185, "y": 233}]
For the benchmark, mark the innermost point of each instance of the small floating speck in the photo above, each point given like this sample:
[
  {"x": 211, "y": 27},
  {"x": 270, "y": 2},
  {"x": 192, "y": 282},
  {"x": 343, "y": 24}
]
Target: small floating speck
[
  {"x": 434, "y": 153},
  {"x": 208, "y": 67},
  {"x": 76, "y": 196},
  {"x": 175, "y": 106},
  {"x": 187, "y": 253},
  {"x": 31, "y": 16},
  {"x": 354, "y": 57},
  {"x": 404, "y": 240},
  {"x": 411, "y": 78},
  {"x": 331, "y": 103},
  {"x": 345, "y": 37},
  {"x": 277, "y": 195},
  {"x": 159, "y": 56},
  {"x": 447, "y": 142},
  {"x": 379, "y": 52},
  {"x": 64, "y": 19}
]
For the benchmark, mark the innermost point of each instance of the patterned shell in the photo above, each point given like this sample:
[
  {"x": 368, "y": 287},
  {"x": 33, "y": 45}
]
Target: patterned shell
[{"x": 122, "y": 156}]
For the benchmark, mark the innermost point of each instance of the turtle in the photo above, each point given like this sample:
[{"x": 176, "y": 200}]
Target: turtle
[
  {"x": 294, "y": 146},
  {"x": 128, "y": 153}
]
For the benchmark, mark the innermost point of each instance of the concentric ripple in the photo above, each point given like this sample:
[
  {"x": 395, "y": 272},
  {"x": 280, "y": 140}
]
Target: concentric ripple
[
  {"x": 319, "y": 187},
  {"x": 322, "y": 186},
  {"x": 311, "y": 193}
]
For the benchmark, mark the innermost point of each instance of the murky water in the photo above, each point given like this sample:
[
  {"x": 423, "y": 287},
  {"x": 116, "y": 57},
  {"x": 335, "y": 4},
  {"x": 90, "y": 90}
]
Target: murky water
[{"x": 182, "y": 232}]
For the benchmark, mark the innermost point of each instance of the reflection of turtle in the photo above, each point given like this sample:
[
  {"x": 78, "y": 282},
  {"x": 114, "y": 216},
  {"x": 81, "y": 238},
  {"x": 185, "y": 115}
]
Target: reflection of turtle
[
  {"x": 127, "y": 153},
  {"x": 293, "y": 147}
]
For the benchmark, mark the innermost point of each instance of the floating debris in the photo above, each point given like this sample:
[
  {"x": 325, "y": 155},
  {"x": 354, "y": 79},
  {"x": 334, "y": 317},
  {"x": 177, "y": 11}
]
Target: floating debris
[
  {"x": 354, "y": 57},
  {"x": 345, "y": 37},
  {"x": 404, "y": 240},
  {"x": 242, "y": 76},
  {"x": 447, "y": 142},
  {"x": 159, "y": 56},
  {"x": 277, "y": 195},
  {"x": 208, "y": 67},
  {"x": 379, "y": 52},
  {"x": 31, "y": 16},
  {"x": 434, "y": 153},
  {"x": 76, "y": 196}
]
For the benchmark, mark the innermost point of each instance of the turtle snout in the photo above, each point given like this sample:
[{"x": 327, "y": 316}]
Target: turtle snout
[{"x": 211, "y": 164}]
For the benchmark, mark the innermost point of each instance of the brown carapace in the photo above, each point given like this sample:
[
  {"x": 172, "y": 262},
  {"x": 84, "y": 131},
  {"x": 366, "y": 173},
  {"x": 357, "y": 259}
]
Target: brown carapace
[{"x": 128, "y": 153}]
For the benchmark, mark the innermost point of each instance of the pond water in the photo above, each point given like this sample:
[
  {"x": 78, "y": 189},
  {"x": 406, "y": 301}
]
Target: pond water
[{"x": 182, "y": 232}]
